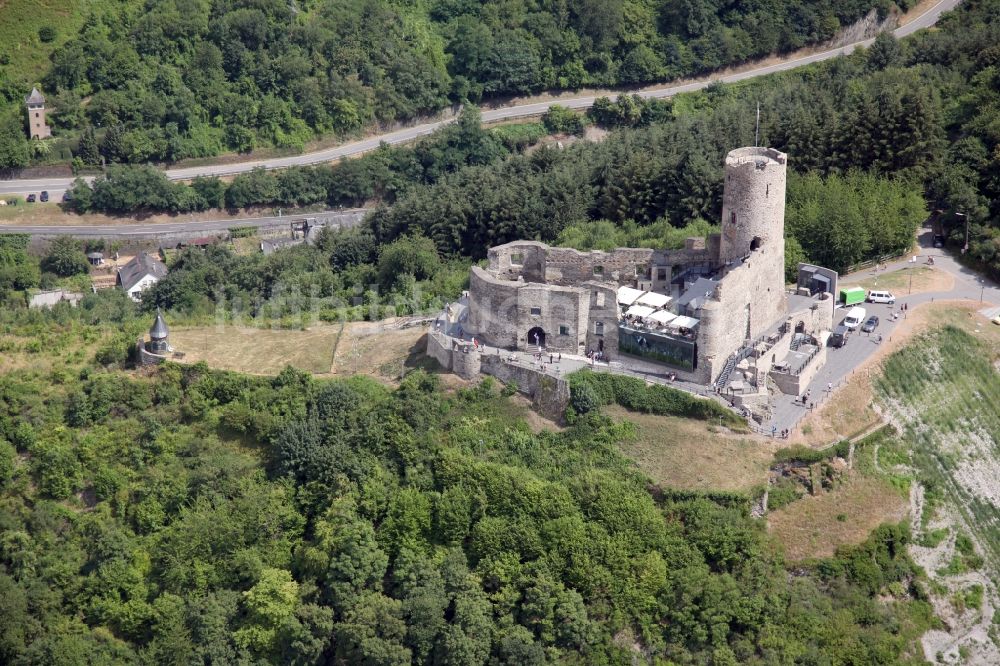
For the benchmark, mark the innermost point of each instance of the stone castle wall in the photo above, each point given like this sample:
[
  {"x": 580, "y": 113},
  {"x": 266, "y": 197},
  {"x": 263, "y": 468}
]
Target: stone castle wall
[
  {"x": 550, "y": 395},
  {"x": 603, "y": 310},
  {"x": 532, "y": 261},
  {"x": 750, "y": 298},
  {"x": 439, "y": 348},
  {"x": 504, "y": 312}
]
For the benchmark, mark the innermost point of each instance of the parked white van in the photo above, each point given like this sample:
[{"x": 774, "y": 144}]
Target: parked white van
[
  {"x": 855, "y": 318},
  {"x": 881, "y": 297}
]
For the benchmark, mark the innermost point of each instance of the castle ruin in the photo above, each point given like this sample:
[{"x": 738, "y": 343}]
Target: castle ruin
[{"x": 716, "y": 312}]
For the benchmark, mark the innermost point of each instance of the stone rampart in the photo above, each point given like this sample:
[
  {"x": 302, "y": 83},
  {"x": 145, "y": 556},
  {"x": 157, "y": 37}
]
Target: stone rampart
[
  {"x": 795, "y": 384},
  {"x": 439, "y": 348},
  {"x": 465, "y": 361},
  {"x": 750, "y": 299},
  {"x": 550, "y": 395}
]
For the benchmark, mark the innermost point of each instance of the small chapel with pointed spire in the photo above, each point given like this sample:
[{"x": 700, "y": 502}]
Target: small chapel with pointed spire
[{"x": 157, "y": 348}]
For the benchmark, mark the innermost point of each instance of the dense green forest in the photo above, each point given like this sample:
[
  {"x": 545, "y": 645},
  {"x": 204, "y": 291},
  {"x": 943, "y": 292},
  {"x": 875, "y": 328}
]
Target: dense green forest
[
  {"x": 165, "y": 80},
  {"x": 191, "y": 516},
  {"x": 876, "y": 131},
  {"x": 868, "y": 136}
]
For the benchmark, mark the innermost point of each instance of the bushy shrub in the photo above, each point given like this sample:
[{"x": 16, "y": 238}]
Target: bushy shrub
[{"x": 633, "y": 393}]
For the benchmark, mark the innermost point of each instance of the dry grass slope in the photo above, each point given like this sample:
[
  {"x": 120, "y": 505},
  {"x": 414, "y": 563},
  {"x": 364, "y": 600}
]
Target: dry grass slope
[
  {"x": 816, "y": 526},
  {"x": 685, "y": 454}
]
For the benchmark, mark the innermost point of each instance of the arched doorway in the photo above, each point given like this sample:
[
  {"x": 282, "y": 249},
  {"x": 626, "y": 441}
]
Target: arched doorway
[
  {"x": 536, "y": 337},
  {"x": 800, "y": 327}
]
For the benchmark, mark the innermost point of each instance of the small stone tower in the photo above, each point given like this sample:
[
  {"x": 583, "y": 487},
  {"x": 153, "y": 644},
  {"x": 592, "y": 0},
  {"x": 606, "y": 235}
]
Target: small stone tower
[
  {"x": 753, "y": 203},
  {"x": 37, "y": 129},
  {"x": 158, "y": 336}
]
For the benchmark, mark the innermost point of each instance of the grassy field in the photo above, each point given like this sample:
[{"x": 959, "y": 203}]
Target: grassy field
[
  {"x": 917, "y": 280},
  {"x": 20, "y": 21},
  {"x": 687, "y": 455},
  {"x": 360, "y": 348},
  {"x": 815, "y": 526},
  {"x": 258, "y": 351}
]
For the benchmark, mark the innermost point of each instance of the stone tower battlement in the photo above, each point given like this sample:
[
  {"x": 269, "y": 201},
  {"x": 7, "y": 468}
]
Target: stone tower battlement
[{"x": 753, "y": 203}]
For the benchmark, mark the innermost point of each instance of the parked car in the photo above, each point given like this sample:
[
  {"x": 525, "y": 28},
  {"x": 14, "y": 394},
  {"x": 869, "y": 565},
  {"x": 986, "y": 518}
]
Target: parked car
[
  {"x": 67, "y": 196},
  {"x": 31, "y": 198},
  {"x": 870, "y": 325},
  {"x": 881, "y": 297},
  {"x": 45, "y": 196},
  {"x": 839, "y": 336},
  {"x": 854, "y": 318}
]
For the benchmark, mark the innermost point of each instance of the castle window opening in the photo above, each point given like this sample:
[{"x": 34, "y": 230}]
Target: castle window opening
[
  {"x": 563, "y": 329},
  {"x": 517, "y": 259},
  {"x": 598, "y": 270},
  {"x": 536, "y": 312},
  {"x": 598, "y": 328},
  {"x": 661, "y": 274},
  {"x": 756, "y": 243},
  {"x": 599, "y": 300},
  {"x": 732, "y": 217}
]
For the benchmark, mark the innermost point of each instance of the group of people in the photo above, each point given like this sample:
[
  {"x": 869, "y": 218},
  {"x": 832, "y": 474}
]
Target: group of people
[
  {"x": 595, "y": 356},
  {"x": 784, "y": 433}
]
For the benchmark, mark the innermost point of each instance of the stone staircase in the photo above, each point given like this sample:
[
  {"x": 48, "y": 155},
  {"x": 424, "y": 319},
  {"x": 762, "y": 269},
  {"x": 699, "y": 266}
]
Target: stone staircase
[{"x": 747, "y": 350}]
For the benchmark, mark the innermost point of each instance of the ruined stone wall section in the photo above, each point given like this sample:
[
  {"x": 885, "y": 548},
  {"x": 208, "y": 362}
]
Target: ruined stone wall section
[
  {"x": 753, "y": 292},
  {"x": 504, "y": 312},
  {"x": 531, "y": 261},
  {"x": 621, "y": 266},
  {"x": 520, "y": 259},
  {"x": 439, "y": 348},
  {"x": 603, "y": 308},
  {"x": 753, "y": 203},
  {"x": 549, "y": 394},
  {"x": 492, "y": 308}
]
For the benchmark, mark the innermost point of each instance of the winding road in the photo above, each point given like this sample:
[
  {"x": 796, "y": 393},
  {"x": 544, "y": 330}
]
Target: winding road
[{"x": 56, "y": 186}]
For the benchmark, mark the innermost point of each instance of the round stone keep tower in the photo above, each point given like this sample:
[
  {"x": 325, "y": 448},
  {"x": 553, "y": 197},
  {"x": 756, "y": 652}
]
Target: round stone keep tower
[{"x": 753, "y": 203}]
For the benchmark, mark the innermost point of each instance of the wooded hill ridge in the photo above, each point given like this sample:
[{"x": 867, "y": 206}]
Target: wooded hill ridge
[{"x": 164, "y": 80}]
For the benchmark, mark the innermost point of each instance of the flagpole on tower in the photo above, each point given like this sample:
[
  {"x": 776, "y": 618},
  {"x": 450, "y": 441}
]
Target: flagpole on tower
[{"x": 756, "y": 134}]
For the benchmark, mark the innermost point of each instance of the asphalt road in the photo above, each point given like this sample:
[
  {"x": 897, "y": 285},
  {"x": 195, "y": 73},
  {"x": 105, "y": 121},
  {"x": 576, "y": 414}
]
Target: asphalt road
[
  {"x": 342, "y": 218},
  {"x": 56, "y": 186}
]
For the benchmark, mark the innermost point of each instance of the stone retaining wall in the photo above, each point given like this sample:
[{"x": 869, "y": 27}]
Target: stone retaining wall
[
  {"x": 550, "y": 395},
  {"x": 439, "y": 349}
]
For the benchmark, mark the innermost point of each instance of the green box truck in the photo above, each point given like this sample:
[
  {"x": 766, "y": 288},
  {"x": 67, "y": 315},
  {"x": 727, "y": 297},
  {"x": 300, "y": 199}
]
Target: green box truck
[{"x": 852, "y": 296}]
